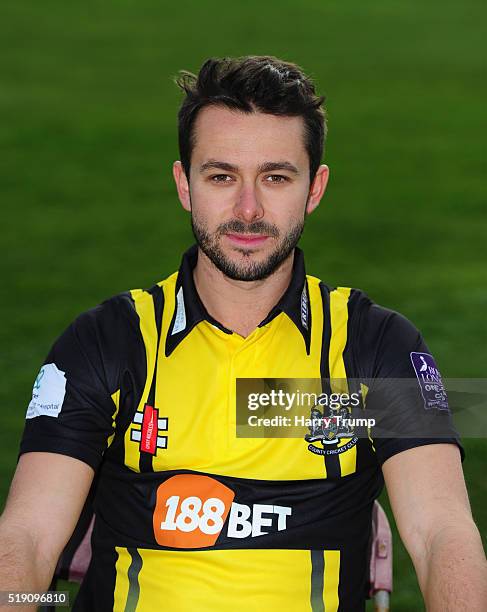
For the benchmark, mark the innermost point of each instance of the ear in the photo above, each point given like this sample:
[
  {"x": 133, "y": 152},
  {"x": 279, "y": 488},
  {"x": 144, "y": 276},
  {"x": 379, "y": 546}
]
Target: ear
[
  {"x": 317, "y": 188},
  {"x": 182, "y": 185}
]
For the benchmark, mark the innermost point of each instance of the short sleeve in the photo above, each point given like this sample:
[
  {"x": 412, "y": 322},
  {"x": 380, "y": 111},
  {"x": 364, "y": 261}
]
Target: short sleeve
[
  {"x": 406, "y": 395},
  {"x": 71, "y": 411}
]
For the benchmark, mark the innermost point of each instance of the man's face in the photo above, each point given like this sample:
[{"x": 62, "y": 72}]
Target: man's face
[{"x": 248, "y": 189}]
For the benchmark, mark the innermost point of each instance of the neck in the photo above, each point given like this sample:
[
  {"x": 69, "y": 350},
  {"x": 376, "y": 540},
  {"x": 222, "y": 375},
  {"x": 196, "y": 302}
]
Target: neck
[{"x": 239, "y": 305}]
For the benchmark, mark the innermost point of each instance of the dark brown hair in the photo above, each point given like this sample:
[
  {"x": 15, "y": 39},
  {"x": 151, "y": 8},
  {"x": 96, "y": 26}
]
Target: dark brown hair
[{"x": 248, "y": 84}]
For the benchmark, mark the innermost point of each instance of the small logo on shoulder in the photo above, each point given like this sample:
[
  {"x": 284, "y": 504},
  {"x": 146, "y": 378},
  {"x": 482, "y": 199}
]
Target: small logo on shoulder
[
  {"x": 430, "y": 381},
  {"x": 48, "y": 392}
]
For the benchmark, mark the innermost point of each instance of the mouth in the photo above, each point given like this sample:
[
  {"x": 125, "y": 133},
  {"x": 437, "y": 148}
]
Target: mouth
[{"x": 247, "y": 240}]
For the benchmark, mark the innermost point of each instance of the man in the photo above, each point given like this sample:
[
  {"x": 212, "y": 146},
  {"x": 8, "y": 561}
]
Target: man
[{"x": 141, "y": 392}]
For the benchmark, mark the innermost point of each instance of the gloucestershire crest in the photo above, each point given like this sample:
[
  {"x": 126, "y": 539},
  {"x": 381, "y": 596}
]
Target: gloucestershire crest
[{"x": 328, "y": 428}]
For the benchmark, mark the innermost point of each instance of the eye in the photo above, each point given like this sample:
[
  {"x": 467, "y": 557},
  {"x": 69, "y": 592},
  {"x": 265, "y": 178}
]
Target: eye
[
  {"x": 276, "y": 178},
  {"x": 221, "y": 178}
]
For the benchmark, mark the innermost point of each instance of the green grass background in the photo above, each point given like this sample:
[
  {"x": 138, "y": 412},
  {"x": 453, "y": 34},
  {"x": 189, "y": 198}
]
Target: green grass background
[{"x": 88, "y": 135}]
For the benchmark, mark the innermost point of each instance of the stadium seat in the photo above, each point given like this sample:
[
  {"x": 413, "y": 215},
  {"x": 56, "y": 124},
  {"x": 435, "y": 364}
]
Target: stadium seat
[{"x": 74, "y": 561}]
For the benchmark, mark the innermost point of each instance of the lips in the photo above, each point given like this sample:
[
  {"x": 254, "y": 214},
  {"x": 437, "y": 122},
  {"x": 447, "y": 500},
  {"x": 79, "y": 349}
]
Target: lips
[{"x": 247, "y": 239}]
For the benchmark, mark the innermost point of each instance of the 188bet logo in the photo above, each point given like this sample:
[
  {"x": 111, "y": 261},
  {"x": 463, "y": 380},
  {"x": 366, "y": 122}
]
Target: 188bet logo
[{"x": 191, "y": 511}]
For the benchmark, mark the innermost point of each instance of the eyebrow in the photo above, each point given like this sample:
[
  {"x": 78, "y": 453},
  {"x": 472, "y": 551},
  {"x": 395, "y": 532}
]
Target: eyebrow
[{"x": 265, "y": 167}]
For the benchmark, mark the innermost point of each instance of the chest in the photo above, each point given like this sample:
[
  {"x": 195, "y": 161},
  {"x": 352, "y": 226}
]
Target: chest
[{"x": 192, "y": 422}]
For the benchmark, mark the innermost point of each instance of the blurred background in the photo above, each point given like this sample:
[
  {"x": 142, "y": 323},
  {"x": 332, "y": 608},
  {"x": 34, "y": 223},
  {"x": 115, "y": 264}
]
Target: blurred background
[{"x": 88, "y": 136}]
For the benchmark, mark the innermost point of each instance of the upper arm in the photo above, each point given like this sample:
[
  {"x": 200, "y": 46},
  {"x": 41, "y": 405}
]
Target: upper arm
[
  {"x": 406, "y": 395},
  {"x": 427, "y": 492},
  {"x": 71, "y": 411},
  {"x": 45, "y": 500},
  {"x": 69, "y": 422},
  {"x": 414, "y": 439}
]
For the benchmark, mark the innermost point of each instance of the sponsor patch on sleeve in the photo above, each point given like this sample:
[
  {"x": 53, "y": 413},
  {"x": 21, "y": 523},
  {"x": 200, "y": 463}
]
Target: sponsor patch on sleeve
[
  {"x": 430, "y": 382},
  {"x": 47, "y": 393}
]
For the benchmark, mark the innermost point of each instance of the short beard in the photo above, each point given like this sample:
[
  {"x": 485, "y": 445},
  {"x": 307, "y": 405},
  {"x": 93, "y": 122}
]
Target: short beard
[{"x": 254, "y": 271}]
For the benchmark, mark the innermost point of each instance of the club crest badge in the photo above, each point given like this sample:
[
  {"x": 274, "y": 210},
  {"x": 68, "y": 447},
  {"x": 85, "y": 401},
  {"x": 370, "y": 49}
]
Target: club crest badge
[{"x": 328, "y": 428}]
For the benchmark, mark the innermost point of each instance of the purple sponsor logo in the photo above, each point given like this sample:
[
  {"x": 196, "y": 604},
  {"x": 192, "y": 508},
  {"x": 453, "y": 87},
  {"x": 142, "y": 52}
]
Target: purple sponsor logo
[{"x": 429, "y": 378}]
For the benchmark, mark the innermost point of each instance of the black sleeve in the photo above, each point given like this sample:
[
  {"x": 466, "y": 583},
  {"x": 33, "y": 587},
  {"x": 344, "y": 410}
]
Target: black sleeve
[
  {"x": 405, "y": 395},
  {"x": 71, "y": 411}
]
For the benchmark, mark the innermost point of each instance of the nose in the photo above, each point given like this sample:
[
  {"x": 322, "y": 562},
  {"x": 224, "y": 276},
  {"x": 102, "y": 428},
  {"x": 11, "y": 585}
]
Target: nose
[{"x": 248, "y": 207}]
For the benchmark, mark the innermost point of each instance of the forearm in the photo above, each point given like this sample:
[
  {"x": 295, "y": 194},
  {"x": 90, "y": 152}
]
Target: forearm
[
  {"x": 21, "y": 567},
  {"x": 453, "y": 571}
]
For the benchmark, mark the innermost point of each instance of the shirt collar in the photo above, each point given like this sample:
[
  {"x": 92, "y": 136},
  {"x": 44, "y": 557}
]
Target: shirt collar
[{"x": 189, "y": 309}]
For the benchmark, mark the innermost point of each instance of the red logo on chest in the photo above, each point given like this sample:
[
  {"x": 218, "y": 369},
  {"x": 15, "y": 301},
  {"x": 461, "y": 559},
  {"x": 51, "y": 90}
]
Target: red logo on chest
[
  {"x": 151, "y": 425},
  {"x": 148, "y": 442}
]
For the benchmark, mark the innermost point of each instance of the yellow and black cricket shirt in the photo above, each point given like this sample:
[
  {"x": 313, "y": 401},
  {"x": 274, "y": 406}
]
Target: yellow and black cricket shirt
[{"x": 188, "y": 516}]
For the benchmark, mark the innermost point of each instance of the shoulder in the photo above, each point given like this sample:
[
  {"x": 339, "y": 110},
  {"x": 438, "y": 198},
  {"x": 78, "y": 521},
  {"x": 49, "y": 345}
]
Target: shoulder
[
  {"x": 366, "y": 316},
  {"x": 114, "y": 310},
  {"x": 383, "y": 339},
  {"x": 123, "y": 311},
  {"x": 117, "y": 324},
  {"x": 101, "y": 341},
  {"x": 379, "y": 337},
  {"x": 107, "y": 324},
  {"x": 376, "y": 323}
]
